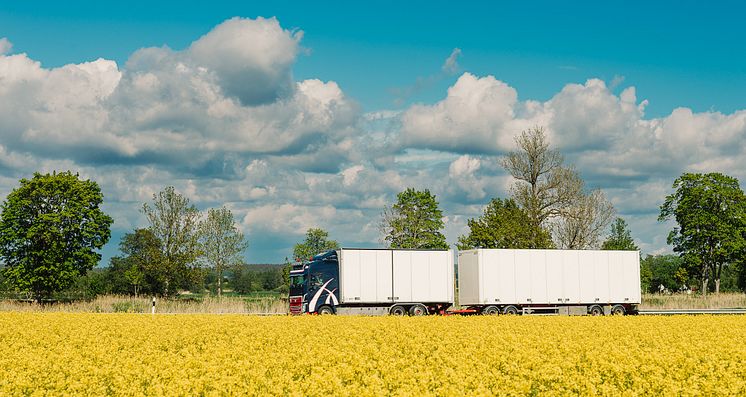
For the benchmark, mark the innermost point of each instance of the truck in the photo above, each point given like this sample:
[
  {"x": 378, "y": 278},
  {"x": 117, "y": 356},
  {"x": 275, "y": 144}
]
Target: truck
[
  {"x": 490, "y": 281},
  {"x": 373, "y": 282},
  {"x": 513, "y": 281}
]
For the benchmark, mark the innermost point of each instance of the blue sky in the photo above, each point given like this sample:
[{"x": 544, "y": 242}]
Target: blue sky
[
  {"x": 633, "y": 94},
  {"x": 677, "y": 53}
]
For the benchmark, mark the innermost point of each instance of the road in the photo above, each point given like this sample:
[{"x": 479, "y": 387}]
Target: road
[{"x": 664, "y": 312}]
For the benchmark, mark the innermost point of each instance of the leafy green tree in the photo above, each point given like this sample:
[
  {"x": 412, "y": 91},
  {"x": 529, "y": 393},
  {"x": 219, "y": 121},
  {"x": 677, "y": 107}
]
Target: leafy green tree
[
  {"x": 663, "y": 270},
  {"x": 271, "y": 279},
  {"x": 503, "y": 225},
  {"x": 710, "y": 210},
  {"x": 316, "y": 241},
  {"x": 175, "y": 223},
  {"x": 414, "y": 222},
  {"x": 138, "y": 269},
  {"x": 741, "y": 275},
  {"x": 50, "y": 230},
  {"x": 286, "y": 267},
  {"x": 87, "y": 286},
  {"x": 135, "y": 276},
  {"x": 242, "y": 280},
  {"x": 222, "y": 242},
  {"x": 620, "y": 238}
]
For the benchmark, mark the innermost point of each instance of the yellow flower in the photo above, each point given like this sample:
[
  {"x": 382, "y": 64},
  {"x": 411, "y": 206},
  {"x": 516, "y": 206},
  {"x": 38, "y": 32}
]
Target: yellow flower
[{"x": 51, "y": 354}]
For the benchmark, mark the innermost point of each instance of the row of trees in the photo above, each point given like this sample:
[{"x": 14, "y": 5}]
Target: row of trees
[
  {"x": 179, "y": 246},
  {"x": 550, "y": 207},
  {"x": 52, "y": 226}
]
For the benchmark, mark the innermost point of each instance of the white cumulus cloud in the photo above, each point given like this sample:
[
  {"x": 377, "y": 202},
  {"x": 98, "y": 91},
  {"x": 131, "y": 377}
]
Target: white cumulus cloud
[{"x": 225, "y": 123}]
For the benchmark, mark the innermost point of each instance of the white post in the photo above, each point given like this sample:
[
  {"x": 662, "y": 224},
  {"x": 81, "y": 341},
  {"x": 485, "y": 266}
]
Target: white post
[{"x": 153, "y": 309}]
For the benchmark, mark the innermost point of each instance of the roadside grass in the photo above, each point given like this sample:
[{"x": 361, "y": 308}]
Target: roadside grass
[
  {"x": 724, "y": 300},
  {"x": 251, "y": 304},
  {"x": 275, "y": 303}
]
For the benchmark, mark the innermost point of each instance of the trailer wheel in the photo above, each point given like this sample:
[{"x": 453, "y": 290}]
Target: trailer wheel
[
  {"x": 596, "y": 310},
  {"x": 490, "y": 310},
  {"x": 417, "y": 310},
  {"x": 325, "y": 310},
  {"x": 618, "y": 310},
  {"x": 510, "y": 310},
  {"x": 398, "y": 310}
]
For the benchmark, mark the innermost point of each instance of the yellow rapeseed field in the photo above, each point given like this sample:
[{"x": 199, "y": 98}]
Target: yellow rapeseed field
[{"x": 136, "y": 354}]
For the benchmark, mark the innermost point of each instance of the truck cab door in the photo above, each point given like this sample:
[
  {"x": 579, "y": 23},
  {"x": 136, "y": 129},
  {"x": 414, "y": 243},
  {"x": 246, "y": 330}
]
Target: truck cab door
[{"x": 323, "y": 286}]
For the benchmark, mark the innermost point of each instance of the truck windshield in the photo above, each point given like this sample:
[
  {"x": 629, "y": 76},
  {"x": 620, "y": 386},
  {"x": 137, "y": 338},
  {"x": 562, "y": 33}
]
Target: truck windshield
[{"x": 296, "y": 285}]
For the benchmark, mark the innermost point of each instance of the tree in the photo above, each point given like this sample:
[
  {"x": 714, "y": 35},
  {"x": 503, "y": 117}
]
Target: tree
[
  {"x": 222, "y": 242},
  {"x": 663, "y": 270},
  {"x": 317, "y": 241},
  {"x": 414, "y": 222},
  {"x": 544, "y": 185},
  {"x": 243, "y": 280},
  {"x": 50, "y": 230},
  {"x": 710, "y": 210},
  {"x": 620, "y": 237},
  {"x": 503, "y": 225},
  {"x": 135, "y": 276},
  {"x": 139, "y": 266},
  {"x": 286, "y": 268},
  {"x": 554, "y": 195},
  {"x": 175, "y": 223},
  {"x": 581, "y": 224}
]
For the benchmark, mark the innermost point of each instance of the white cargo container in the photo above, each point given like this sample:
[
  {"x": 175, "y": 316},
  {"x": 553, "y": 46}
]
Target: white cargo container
[
  {"x": 569, "y": 281},
  {"x": 395, "y": 277}
]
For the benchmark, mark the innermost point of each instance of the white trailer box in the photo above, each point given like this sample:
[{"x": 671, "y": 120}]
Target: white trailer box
[
  {"x": 548, "y": 277},
  {"x": 381, "y": 276}
]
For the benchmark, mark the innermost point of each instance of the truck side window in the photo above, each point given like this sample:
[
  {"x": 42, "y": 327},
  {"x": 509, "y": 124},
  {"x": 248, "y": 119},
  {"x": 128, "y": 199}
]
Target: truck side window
[
  {"x": 296, "y": 281},
  {"x": 317, "y": 280}
]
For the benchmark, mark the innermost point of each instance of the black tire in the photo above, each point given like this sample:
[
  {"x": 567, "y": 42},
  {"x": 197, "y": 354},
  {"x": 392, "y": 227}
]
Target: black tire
[
  {"x": 596, "y": 310},
  {"x": 325, "y": 310},
  {"x": 490, "y": 311},
  {"x": 510, "y": 310},
  {"x": 618, "y": 310},
  {"x": 418, "y": 310},
  {"x": 398, "y": 310}
]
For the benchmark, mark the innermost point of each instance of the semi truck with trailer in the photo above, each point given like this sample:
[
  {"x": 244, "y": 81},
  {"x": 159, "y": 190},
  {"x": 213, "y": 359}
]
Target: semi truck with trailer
[
  {"x": 490, "y": 281},
  {"x": 373, "y": 281}
]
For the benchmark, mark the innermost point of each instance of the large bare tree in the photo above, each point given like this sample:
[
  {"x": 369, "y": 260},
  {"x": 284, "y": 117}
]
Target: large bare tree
[
  {"x": 581, "y": 224},
  {"x": 544, "y": 186},
  {"x": 553, "y": 194}
]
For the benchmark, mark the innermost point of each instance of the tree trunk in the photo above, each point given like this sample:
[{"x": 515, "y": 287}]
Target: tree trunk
[
  {"x": 220, "y": 282},
  {"x": 705, "y": 278},
  {"x": 718, "y": 271},
  {"x": 704, "y": 285},
  {"x": 717, "y": 286}
]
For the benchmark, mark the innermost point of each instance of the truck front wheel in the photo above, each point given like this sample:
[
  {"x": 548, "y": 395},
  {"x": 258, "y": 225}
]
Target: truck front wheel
[{"x": 325, "y": 310}]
